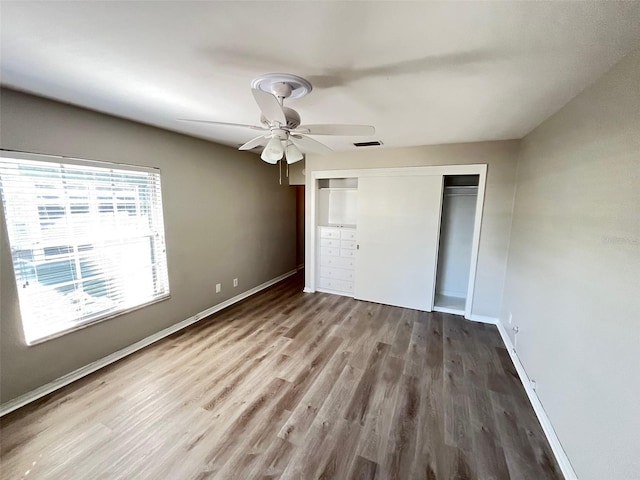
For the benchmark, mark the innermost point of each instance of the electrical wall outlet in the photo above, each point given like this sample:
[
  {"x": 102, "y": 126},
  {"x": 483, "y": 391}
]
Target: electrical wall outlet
[
  {"x": 235, "y": 282},
  {"x": 218, "y": 287}
]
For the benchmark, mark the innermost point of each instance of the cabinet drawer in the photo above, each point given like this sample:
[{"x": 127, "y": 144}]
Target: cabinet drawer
[
  {"x": 347, "y": 253},
  {"x": 329, "y": 252},
  {"x": 349, "y": 244},
  {"x": 348, "y": 234},
  {"x": 339, "y": 273},
  {"x": 329, "y": 242},
  {"x": 329, "y": 232},
  {"x": 334, "y": 284},
  {"x": 340, "y": 262}
]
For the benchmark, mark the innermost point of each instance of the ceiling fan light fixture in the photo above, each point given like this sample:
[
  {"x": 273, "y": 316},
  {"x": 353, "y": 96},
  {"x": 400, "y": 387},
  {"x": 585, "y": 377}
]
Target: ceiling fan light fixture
[
  {"x": 273, "y": 151},
  {"x": 293, "y": 154}
]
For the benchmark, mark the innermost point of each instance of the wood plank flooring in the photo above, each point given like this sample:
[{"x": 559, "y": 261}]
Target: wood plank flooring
[{"x": 290, "y": 385}]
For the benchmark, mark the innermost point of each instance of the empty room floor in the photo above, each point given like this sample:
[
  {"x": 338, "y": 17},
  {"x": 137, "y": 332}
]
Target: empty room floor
[{"x": 292, "y": 386}]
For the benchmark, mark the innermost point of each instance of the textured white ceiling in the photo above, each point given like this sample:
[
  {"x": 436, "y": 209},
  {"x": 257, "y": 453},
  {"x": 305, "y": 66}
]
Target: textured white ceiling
[{"x": 420, "y": 72}]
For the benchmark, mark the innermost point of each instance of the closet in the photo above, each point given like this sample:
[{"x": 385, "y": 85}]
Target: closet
[
  {"x": 459, "y": 197},
  {"x": 401, "y": 236},
  {"x": 336, "y": 234}
]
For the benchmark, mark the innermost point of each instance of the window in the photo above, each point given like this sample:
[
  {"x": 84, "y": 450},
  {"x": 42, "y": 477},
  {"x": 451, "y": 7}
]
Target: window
[{"x": 87, "y": 240}]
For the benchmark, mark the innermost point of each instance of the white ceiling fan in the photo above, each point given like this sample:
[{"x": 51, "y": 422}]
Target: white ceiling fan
[{"x": 282, "y": 135}]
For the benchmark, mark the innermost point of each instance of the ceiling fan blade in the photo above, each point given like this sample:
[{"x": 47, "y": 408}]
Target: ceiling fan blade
[
  {"x": 293, "y": 154},
  {"x": 337, "y": 129},
  {"x": 269, "y": 105},
  {"x": 310, "y": 145},
  {"x": 224, "y": 124},
  {"x": 254, "y": 143}
]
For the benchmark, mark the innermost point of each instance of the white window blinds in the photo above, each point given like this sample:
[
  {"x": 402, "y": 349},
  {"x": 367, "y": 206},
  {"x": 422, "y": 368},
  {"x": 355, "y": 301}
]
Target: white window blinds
[{"x": 87, "y": 240}]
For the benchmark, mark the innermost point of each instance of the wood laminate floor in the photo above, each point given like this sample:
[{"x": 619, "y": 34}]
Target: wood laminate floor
[{"x": 292, "y": 386}]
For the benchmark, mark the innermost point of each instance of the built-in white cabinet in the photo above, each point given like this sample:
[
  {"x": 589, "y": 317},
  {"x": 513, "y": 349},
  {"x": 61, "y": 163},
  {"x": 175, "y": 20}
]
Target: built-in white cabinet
[
  {"x": 337, "y": 204},
  {"x": 336, "y": 259}
]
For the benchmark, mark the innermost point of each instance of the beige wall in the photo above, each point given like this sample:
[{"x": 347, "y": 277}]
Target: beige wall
[
  {"x": 573, "y": 278},
  {"x": 494, "y": 238},
  {"x": 296, "y": 173},
  {"x": 226, "y": 216}
]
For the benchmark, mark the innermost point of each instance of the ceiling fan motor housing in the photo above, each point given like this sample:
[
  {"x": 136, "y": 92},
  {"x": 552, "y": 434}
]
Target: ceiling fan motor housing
[
  {"x": 280, "y": 133},
  {"x": 293, "y": 118},
  {"x": 281, "y": 89}
]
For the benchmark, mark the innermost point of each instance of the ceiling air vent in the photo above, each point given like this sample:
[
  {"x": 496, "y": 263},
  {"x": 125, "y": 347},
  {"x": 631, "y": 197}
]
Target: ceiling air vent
[{"x": 368, "y": 144}]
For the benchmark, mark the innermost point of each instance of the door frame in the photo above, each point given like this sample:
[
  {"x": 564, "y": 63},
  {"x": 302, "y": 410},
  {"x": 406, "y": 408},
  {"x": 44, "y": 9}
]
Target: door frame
[{"x": 311, "y": 207}]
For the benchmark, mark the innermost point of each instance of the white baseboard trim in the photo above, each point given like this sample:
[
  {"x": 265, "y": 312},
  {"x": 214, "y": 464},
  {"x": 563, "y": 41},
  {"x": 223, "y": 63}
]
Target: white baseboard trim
[
  {"x": 335, "y": 292},
  {"x": 452, "y": 311},
  {"x": 561, "y": 456},
  {"x": 60, "y": 382},
  {"x": 483, "y": 319},
  {"x": 308, "y": 290}
]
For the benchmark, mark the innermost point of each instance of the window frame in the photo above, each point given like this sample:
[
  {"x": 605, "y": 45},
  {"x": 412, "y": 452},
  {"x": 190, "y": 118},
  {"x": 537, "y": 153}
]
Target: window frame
[{"x": 99, "y": 317}]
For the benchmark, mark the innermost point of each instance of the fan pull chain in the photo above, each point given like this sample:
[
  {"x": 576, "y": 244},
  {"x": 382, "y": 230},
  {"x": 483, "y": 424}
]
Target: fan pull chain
[{"x": 280, "y": 170}]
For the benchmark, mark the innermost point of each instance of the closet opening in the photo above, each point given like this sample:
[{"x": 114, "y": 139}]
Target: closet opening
[
  {"x": 459, "y": 198},
  {"x": 337, "y": 202},
  {"x": 337, "y": 211}
]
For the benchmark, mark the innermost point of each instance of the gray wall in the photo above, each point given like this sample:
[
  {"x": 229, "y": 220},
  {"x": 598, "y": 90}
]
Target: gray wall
[
  {"x": 501, "y": 158},
  {"x": 573, "y": 277},
  {"x": 226, "y": 216}
]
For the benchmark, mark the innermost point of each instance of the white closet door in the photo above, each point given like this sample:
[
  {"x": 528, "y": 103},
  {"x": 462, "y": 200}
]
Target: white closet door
[{"x": 398, "y": 228}]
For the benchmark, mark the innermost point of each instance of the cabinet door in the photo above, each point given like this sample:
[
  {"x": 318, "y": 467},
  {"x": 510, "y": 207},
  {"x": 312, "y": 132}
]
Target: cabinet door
[{"x": 398, "y": 228}]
